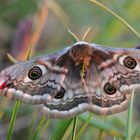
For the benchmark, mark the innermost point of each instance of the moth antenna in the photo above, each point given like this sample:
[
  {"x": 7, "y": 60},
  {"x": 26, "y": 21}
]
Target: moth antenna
[
  {"x": 30, "y": 52},
  {"x": 86, "y": 33},
  {"x": 75, "y": 38},
  {"x": 11, "y": 58}
]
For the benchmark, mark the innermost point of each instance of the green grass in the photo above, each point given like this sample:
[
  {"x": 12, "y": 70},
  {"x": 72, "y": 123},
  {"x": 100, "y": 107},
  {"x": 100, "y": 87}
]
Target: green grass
[
  {"x": 61, "y": 129},
  {"x": 129, "y": 120},
  {"x": 74, "y": 128},
  {"x": 117, "y": 16},
  {"x": 83, "y": 128},
  {"x": 13, "y": 120},
  {"x": 38, "y": 128}
]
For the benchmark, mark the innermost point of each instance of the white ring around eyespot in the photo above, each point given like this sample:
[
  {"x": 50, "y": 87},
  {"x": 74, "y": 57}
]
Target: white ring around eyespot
[
  {"x": 43, "y": 69},
  {"x": 121, "y": 59}
]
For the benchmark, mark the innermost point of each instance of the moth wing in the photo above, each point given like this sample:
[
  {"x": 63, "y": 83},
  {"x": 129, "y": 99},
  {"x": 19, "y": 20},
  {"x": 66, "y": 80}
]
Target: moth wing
[
  {"x": 15, "y": 81},
  {"x": 117, "y": 71}
]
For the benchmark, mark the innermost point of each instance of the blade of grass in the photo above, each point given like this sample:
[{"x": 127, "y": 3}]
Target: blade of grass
[
  {"x": 114, "y": 138},
  {"x": 61, "y": 130},
  {"x": 39, "y": 23},
  {"x": 103, "y": 125},
  {"x": 59, "y": 12},
  {"x": 100, "y": 135},
  {"x": 35, "y": 134},
  {"x": 12, "y": 121},
  {"x": 32, "y": 124},
  {"x": 82, "y": 129},
  {"x": 117, "y": 16},
  {"x": 42, "y": 15},
  {"x": 44, "y": 128},
  {"x": 136, "y": 132},
  {"x": 74, "y": 127},
  {"x": 129, "y": 118}
]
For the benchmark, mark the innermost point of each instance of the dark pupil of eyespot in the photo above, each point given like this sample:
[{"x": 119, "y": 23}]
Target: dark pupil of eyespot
[
  {"x": 109, "y": 89},
  {"x": 35, "y": 73},
  {"x": 130, "y": 62},
  {"x": 60, "y": 94}
]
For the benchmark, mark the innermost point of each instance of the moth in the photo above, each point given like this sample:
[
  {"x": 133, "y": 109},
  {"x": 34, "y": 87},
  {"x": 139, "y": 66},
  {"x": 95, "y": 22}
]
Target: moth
[{"x": 80, "y": 78}]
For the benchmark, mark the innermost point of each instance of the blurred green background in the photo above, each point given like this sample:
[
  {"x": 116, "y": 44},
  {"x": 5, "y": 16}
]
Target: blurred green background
[{"x": 18, "y": 23}]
